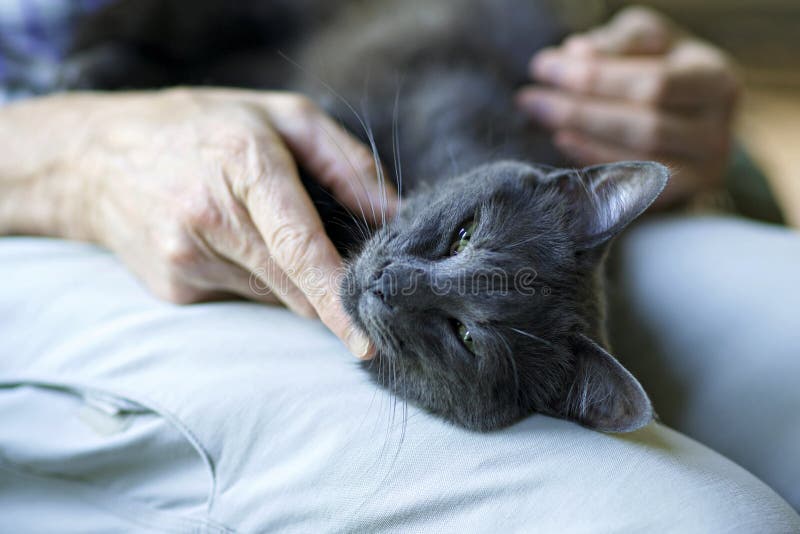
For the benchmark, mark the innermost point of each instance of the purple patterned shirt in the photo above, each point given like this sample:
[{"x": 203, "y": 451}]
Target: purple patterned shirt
[{"x": 34, "y": 37}]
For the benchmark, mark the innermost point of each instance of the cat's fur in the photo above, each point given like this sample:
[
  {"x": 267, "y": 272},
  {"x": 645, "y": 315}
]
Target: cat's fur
[{"x": 434, "y": 82}]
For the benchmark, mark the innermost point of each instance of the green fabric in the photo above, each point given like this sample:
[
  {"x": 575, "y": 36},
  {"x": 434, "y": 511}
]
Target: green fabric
[{"x": 749, "y": 189}]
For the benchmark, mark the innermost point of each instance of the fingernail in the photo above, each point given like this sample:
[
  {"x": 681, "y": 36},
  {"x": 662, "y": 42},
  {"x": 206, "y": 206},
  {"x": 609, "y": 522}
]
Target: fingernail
[{"x": 359, "y": 345}]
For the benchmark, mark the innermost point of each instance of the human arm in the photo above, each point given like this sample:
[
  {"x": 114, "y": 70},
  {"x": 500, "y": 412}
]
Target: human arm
[{"x": 195, "y": 190}]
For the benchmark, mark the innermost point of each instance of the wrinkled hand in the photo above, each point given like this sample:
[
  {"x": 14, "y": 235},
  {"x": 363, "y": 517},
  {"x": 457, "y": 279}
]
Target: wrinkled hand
[
  {"x": 198, "y": 192},
  {"x": 638, "y": 88}
]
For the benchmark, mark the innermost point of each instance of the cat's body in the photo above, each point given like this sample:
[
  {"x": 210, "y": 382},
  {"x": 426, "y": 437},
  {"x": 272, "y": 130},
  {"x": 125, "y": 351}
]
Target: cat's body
[
  {"x": 452, "y": 67},
  {"x": 485, "y": 296}
]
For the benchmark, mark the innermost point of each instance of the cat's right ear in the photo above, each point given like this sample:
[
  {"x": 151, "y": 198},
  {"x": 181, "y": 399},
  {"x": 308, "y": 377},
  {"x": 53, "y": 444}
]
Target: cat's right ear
[
  {"x": 604, "y": 395},
  {"x": 604, "y": 199}
]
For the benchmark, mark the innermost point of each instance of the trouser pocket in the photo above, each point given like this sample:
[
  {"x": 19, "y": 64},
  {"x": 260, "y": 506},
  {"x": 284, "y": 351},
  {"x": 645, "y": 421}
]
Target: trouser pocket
[{"x": 109, "y": 442}]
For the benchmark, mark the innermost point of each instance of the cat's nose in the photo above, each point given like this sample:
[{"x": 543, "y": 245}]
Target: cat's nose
[
  {"x": 381, "y": 286},
  {"x": 398, "y": 284},
  {"x": 378, "y": 292}
]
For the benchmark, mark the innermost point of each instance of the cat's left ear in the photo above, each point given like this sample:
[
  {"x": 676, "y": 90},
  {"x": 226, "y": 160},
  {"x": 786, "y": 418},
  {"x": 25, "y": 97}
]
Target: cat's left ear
[
  {"x": 604, "y": 395},
  {"x": 606, "y": 198}
]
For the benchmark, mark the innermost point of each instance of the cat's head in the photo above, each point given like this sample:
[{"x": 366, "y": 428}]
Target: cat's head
[{"x": 484, "y": 297}]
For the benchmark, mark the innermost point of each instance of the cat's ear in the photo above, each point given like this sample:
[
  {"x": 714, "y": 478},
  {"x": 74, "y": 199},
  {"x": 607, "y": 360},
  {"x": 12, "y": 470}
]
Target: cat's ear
[
  {"x": 606, "y": 198},
  {"x": 604, "y": 395}
]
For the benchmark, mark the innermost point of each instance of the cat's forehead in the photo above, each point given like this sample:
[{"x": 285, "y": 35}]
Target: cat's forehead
[
  {"x": 512, "y": 193},
  {"x": 477, "y": 186},
  {"x": 501, "y": 175}
]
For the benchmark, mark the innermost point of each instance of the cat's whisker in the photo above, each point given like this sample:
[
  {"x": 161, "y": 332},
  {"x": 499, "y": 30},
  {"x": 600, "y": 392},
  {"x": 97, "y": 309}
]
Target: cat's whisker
[
  {"x": 453, "y": 162},
  {"x": 395, "y": 364},
  {"x": 525, "y": 241},
  {"x": 392, "y": 380},
  {"x": 382, "y": 199},
  {"x": 384, "y": 373},
  {"x": 513, "y": 365},
  {"x": 343, "y": 224},
  {"x": 359, "y": 177},
  {"x": 361, "y": 226},
  {"x": 367, "y": 125},
  {"x": 532, "y": 336},
  {"x": 355, "y": 113},
  {"x": 398, "y": 167},
  {"x": 405, "y": 409}
]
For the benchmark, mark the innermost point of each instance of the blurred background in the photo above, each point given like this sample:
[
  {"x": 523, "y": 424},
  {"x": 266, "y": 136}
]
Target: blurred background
[{"x": 763, "y": 36}]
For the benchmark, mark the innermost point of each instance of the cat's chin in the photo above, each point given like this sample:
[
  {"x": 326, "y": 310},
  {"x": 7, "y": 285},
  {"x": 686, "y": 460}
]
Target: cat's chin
[{"x": 373, "y": 310}]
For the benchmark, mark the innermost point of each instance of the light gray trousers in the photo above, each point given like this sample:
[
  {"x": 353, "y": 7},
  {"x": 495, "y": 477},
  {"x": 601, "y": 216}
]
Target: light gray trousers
[
  {"x": 707, "y": 315},
  {"x": 119, "y": 412}
]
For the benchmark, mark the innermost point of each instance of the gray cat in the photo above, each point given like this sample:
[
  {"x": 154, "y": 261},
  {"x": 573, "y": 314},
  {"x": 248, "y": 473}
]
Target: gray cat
[{"x": 484, "y": 296}]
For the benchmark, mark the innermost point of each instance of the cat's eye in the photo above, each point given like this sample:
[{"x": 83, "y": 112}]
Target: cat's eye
[
  {"x": 465, "y": 336},
  {"x": 463, "y": 236}
]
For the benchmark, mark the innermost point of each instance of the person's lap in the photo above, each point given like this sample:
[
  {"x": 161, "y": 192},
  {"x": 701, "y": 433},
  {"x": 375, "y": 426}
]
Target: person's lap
[
  {"x": 266, "y": 423},
  {"x": 706, "y": 313}
]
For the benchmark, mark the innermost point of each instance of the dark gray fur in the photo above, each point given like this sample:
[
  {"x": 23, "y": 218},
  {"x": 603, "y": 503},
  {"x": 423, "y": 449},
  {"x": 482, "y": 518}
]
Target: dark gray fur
[{"x": 442, "y": 74}]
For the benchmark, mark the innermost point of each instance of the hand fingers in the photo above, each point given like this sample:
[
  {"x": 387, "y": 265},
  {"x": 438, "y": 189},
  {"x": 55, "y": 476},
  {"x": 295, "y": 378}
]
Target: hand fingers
[
  {"x": 688, "y": 81},
  {"x": 636, "y": 80},
  {"x": 644, "y": 129},
  {"x": 333, "y": 157},
  {"x": 246, "y": 268},
  {"x": 239, "y": 282},
  {"x": 700, "y": 75},
  {"x": 216, "y": 245},
  {"x": 636, "y": 30},
  {"x": 293, "y": 233}
]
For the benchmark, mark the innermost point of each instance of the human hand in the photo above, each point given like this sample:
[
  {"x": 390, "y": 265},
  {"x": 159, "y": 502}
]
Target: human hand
[
  {"x": 197, "y": 191},
  {"x": 638, "y": 88}
]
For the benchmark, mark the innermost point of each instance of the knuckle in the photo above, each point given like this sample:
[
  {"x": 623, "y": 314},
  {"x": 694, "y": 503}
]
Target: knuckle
[
  {"x": 199, "y": 211},
  {"x": 239, "y": 141},
  {"x": 364, "y": 157},
  {"x": 642, "y": 17},
  {"x": 360, "y": 165},
  {"x": 302, "y": 106},
  {"x": 179, "y": 252},
  {"x": 294, "y": 244},
  {"x": 586, "y": 76},
  {"x": 247, "y": 158}
]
